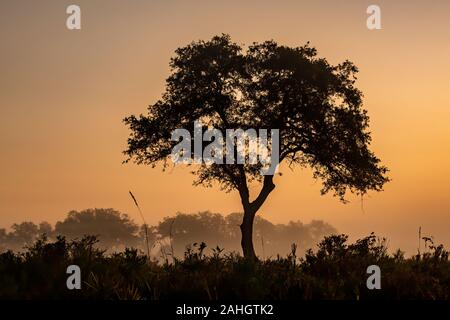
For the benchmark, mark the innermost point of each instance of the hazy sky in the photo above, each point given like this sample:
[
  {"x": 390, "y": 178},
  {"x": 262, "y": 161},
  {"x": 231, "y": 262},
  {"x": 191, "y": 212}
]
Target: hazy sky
[{"x": 63, "y": 95}]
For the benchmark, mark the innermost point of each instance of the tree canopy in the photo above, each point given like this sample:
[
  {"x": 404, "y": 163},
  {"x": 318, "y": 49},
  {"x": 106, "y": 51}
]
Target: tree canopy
[{"x": 314, "y": 104}]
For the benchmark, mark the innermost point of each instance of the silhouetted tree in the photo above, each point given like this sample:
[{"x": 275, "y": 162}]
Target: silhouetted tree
[
  {"x": 45, "y": 228},
  {"x": 24, "y": 232},
  {"x": 22, "y": 235},
  {"x": 315, "y": 105},
  {"x": 112, "y": 227}
]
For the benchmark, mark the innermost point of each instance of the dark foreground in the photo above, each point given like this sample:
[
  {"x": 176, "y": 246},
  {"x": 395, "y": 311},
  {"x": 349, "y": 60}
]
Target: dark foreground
[{"x": 336, "y": 270}]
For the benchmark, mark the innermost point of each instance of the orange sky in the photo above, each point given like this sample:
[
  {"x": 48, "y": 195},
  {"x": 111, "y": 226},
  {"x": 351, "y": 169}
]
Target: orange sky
[{"x": 64, "y": 94}]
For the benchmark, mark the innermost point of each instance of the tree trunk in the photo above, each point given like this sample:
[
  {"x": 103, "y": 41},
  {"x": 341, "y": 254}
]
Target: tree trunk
[
  {"x": 247, "y": 234},
  {"x": 250, "y": 209}
]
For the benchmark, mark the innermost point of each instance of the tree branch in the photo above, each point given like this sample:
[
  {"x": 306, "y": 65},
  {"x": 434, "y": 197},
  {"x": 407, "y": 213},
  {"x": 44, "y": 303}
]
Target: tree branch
[
  {"x": 267, "y": 188},
  {"x": 243, "y": 187}
]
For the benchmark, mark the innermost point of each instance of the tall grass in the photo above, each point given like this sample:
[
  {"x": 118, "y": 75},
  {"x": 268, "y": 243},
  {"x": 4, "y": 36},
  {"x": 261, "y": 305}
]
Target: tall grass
[{"x": 144, "y": 223}]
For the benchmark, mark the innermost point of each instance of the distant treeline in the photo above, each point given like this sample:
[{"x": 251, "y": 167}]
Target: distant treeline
[{"x": 116, "y": 231}]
